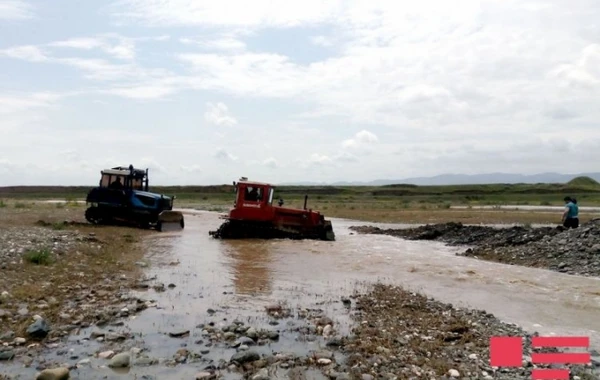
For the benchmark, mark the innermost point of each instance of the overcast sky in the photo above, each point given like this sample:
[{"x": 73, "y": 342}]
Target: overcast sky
[{"x": 204, "y": 92}]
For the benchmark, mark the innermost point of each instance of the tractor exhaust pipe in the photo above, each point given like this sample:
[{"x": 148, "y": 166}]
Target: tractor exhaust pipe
[{"x": 305, "y": 200}]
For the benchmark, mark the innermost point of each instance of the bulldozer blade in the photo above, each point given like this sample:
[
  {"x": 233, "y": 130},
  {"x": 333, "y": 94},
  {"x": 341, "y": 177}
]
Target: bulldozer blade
[{"x": 170, "y": 220}]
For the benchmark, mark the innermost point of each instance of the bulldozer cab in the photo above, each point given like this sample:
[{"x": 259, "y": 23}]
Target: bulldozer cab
[
  {"x": 253, "y": 194},
  {"x": 124, "y": 178}
]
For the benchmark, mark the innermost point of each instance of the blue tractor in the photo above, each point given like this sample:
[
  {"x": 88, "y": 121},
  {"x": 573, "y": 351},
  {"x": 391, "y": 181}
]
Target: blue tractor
[{"x": 122, "y": 197}]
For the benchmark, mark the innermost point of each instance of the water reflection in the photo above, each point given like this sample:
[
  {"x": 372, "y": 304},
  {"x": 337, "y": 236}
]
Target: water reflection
[{"x": 249, "y": 263}]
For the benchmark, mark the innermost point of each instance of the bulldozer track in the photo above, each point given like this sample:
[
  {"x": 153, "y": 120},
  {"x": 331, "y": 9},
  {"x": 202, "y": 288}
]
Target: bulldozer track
[{"x": 244, "y": 230}]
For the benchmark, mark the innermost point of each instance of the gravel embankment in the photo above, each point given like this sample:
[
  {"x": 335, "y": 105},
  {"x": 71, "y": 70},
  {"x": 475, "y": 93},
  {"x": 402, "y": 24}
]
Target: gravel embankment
[
  {"x": 575, "y": 251},
  {"x": 408, "y": 336}
]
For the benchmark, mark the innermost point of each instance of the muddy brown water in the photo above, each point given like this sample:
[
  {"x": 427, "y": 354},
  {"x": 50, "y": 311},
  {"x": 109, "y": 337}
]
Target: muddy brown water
[{"x": 237, "y": 279}]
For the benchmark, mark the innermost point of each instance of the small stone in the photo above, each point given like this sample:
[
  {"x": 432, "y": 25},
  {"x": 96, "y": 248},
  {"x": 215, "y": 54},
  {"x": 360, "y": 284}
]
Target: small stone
[
  {"x": 245, "y": 357},
  {"x": 7, "y": 355},
  {"x": 20, "y": 341},
  {"x": 336, "y": 342},
  {"x": 120, "y": 360},
  {"x": 38, "y": 329},
  {"x": 53, "y": 374},
  {"x": 145, "y": 361},
  {"x": 252, "y": 333},
  {"x": 179, "y": 334},
  {"x": 323, "y": 355},
  {"x": 245, "y": 341},
  {"x": 324, "y": 361},
  {"x": 473, "y": 356},
  {"x": 7, "y": 336},
  {"x": 83, "y": 362},
  {"x": 263, "y": 374},
  {"x": 106, "y": 354},
  {"x": 453, "y": 373},
  {"x": 204, "y": 375}
]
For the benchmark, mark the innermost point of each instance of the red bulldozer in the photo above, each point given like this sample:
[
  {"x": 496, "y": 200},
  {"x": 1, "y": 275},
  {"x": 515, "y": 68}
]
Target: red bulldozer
[{"x": 255, "y": 216}]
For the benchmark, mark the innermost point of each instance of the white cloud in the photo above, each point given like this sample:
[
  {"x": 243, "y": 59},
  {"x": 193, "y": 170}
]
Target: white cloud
[
  {"x": 319, "y": 159},
  {"x": 218, "y": 114},
  {"x": 429, "y": 80},
  {"x": 15, "y": 10},
  {"x": 143, "y": 92},
  {"x": 26, "y": 53},
  {"x": 191, "y": 168},
  {"x": 345, "y": 157},
  {"x": 223, "y": 155},
  {"x": 151, "y": 164},
  {"x": 114, "y": 45},
  {"x": 322, "y": 41},
  {"x": 584, "y": 72},
  {"x": 271, "y": 163},
  {"x": 102, "y": 70},
  {"x": 360, "y": 139},
  {"x": 11, "y": 103},
  {"x": 259, "y": 13},
  {"x": 222, "y": 43}
]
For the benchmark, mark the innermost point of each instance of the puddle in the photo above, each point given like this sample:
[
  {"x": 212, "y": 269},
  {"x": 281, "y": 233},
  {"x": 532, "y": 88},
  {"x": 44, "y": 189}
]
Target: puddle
[{"x": 237, "y": 279}]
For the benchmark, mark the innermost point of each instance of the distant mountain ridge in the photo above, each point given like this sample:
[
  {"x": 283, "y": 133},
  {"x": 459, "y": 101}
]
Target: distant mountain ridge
[{"x": 459, "y": 179}]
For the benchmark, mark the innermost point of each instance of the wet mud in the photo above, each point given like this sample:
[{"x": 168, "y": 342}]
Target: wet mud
[{"x": 258, "y": 309}]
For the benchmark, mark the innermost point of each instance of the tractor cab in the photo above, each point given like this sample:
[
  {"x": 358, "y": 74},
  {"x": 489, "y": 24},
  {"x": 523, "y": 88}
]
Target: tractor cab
[
  {"x": 253, "y": 194},
  {"x": 124, "y": 178}
]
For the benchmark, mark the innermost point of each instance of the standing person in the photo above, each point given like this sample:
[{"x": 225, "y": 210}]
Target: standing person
[{"x": 570, "y": 217}]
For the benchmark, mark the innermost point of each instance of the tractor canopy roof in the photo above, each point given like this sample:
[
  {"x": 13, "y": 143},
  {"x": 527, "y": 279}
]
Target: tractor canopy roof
[
  {"x": 126, "y": 171},
  {"x": 244, "y": 181}
]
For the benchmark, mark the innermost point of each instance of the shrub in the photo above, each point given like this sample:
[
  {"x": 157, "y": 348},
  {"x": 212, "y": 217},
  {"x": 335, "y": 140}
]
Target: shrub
[{"x": 38, "y": 257}]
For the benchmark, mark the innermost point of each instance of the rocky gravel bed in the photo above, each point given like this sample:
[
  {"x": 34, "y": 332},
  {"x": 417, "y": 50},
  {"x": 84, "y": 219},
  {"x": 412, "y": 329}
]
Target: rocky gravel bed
[
  {"x": 16, "y": 241},
  {"x": 59, "y": 278},
  {"x": 574, "y": 251},
  {"x": 396, "y": 335}
]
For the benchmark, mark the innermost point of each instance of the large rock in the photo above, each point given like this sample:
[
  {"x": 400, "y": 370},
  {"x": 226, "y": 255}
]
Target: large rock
[
  {"x": 38, "y": 329},
  {"x": 121, "y": 360},
  {"x": 53, "y": 374}
]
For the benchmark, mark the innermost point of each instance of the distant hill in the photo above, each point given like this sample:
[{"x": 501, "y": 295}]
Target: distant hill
[
  {"x": 463, "y": 179},
  {"x": 583, "y": 182}
]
